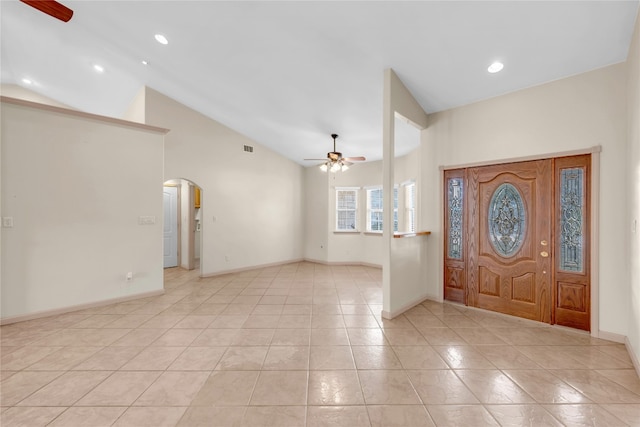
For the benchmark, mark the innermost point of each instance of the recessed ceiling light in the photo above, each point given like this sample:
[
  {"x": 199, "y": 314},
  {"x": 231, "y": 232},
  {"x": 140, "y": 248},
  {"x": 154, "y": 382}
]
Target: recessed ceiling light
[
  {"x": 27, "y": 81},
  {"x": 99, "y": 68},
  {"x": 145, "y": 62},
  {"x": 161, "y": 39},
  {"x": 495, "y": 67}
]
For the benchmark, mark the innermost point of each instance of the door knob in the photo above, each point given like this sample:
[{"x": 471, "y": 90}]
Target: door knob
[{"x": 544, "y": 254}]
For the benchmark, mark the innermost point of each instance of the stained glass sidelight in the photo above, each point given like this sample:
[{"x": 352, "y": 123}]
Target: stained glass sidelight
[
  {"x": 571, "y": 219},
  {"x": 455, "y": 197},
  {"x": 507, "y": 220}
]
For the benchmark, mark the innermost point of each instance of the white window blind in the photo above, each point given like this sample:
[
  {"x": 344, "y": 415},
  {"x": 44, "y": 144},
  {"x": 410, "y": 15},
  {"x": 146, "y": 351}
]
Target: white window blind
[
  {"x": 346, "y": 209},
  {"x": 410, "y": 206},
  {"x": 374, "y": 209},
  {"x": 395, "y": 208}
]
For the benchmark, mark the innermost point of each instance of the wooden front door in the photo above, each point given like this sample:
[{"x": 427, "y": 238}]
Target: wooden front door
[
  {"x": 517, "y": 239},
  {"x": 509, "y": 257}
]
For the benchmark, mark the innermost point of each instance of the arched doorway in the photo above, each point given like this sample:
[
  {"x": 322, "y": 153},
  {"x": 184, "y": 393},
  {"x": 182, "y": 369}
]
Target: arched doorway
[{"x": 182, "y": 206}]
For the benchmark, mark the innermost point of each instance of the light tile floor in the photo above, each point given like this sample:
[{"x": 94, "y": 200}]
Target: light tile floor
[{"x": 304, "y": 344}]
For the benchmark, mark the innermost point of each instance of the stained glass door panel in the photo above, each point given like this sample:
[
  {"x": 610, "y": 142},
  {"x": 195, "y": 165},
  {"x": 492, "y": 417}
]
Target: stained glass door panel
[
  {"x": 572, "y": 296},
  {"x": 455, "y": 239}
]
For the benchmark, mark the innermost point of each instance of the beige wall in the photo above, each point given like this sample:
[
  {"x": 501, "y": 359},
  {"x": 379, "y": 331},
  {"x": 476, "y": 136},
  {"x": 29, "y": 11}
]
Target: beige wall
[
  {"x": 574, "y": 113},
  {"x": 75, "y": 187},
  {"x": 252, "y": 203},
  {"x": 320, "y": 205},
  {"x": 18, "y": 92},
  {"x": 633, "y": 155}
]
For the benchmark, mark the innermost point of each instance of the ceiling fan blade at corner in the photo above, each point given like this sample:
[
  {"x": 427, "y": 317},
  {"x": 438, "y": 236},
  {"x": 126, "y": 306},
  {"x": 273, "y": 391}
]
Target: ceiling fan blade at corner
[
  {"x": 52, "y": 8},
  {"x": 355, "y": 159}
]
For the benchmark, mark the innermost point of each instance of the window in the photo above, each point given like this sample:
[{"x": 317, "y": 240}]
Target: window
[
  {"x": 375, "y": 207},
  {"x": 346, "y": 209},
  {"x": 395, "y": 209},
  {"x": 410, "y": 206}
]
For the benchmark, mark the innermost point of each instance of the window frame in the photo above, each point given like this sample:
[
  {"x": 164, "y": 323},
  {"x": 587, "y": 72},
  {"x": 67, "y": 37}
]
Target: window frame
[
  {"x": 371, "y": 210},
  {"x": 355, "y": 209},
  {"x": 410, "y": 211}
]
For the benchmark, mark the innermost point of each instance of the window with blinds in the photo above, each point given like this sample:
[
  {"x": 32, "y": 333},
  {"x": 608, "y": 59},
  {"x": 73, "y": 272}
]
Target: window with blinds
[
  {"x": 375, "y": 206},
  {"x": 346, "y": 209},
  {"x": 374, "y": 209},
  {"x": 410, "y": 206}
]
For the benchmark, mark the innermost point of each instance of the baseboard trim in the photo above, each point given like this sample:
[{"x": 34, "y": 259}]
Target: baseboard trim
[
  {"x": 339, "y": 264},
  {"x": 395, "y": 313},
  {"x": 72, "y": 308},
  {"x": 293, "y": 261},
  {"x": 610, "y": 336},
  {"x": 634, "y": 357},
  {"x": 250, "y": 268}
]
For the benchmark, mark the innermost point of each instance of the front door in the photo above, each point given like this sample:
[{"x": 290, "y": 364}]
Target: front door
[
  {"x": 509, "y": 262},
  {"x": 517, "y": 239}
]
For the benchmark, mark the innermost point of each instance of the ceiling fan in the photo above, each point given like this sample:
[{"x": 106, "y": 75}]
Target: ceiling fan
[
  {"x": 52, "y": 8},
  {"x": 335, "y": 162}
]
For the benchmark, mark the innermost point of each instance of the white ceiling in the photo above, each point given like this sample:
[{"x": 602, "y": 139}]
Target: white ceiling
[{"x": 288, "y": 74}]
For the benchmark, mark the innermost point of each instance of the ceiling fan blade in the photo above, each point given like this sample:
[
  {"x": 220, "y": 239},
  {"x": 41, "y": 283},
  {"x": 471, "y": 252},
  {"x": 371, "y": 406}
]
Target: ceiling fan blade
[
  {"x": 355, "y": 159},
  {"x": 52, "y": 8}
]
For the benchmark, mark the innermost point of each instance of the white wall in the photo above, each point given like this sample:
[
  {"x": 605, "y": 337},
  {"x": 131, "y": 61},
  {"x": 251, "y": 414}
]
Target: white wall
[
  {"x": 136, "y": 110},
  {"x": 320, "y": 205},
  {"x": 251, "y": 202},
  {"x": 316, "y": 219},
  {"x": 578, "y": 112},
  {"x": 633, "y": 156},
  {"x": 75, "y": 186},
  {"x": 185, "y": 222},
  {"x": 19, "y": 92},
  {"x": 354, "y": 247}
]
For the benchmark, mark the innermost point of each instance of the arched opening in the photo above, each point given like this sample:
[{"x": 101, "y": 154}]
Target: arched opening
[{"x": 182, "y": 240}]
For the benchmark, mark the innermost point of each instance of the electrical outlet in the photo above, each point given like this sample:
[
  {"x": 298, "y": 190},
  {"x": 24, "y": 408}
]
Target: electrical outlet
[
  {"x": 7, "y": 221},
  {"x": 129, "y": 276}
]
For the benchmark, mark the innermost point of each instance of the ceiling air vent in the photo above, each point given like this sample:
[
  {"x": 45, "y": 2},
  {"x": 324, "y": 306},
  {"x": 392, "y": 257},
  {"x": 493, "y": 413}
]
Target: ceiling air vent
[{"x": 248, "y": 149}]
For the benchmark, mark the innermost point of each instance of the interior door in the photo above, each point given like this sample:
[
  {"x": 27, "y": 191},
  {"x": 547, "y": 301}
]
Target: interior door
[
  {"x": 170, "y": 209},
  {"x": 509, "y": 250}
]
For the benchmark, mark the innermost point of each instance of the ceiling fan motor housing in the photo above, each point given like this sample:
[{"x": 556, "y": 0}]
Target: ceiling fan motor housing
[{"x": 334, "y": 156}]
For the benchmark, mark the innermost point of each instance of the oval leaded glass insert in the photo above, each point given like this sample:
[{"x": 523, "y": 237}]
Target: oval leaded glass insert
[{"x": 507, "y": 220}]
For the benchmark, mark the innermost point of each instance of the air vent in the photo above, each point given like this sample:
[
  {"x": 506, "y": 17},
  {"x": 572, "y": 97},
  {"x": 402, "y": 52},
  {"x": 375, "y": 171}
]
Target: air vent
[{"x": 248, "y": 149}]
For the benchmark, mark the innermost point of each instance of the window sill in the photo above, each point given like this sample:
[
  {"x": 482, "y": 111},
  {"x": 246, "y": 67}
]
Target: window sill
[
  {"x": 418, "y": 233},
  {"x": 346, "y": 232},
  {"x": 373, "y": 233}
]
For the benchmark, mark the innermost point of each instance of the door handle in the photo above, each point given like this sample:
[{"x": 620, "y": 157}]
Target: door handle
[{"x": 544, "y": 254}]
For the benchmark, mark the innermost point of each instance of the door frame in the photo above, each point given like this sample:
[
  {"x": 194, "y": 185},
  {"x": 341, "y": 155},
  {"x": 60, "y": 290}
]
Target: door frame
[{"x": 594, "y": 247}]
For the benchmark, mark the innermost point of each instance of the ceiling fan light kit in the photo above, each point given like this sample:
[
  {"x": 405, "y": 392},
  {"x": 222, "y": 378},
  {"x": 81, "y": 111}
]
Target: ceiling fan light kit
[{"x": 335, "y": 162}]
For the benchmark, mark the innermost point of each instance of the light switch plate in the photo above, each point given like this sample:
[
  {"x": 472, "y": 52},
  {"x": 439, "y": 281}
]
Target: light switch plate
[{"x": 7, "y": 222}]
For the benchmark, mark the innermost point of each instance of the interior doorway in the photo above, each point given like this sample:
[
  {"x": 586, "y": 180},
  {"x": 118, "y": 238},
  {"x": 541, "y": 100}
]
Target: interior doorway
[
  {"x": 517, "y": 239},
  {"x": 170, "y": 226},
  {"x": 186, "y": 221}
]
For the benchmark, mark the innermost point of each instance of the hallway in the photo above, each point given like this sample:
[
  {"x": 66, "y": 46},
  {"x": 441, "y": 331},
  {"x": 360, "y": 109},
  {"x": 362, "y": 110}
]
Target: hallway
[{"x": 303, "y": 345}]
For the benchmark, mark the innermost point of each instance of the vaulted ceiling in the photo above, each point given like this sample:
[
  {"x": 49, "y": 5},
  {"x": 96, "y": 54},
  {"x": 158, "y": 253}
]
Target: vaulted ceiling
[{"x": 288, "y": 74}]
